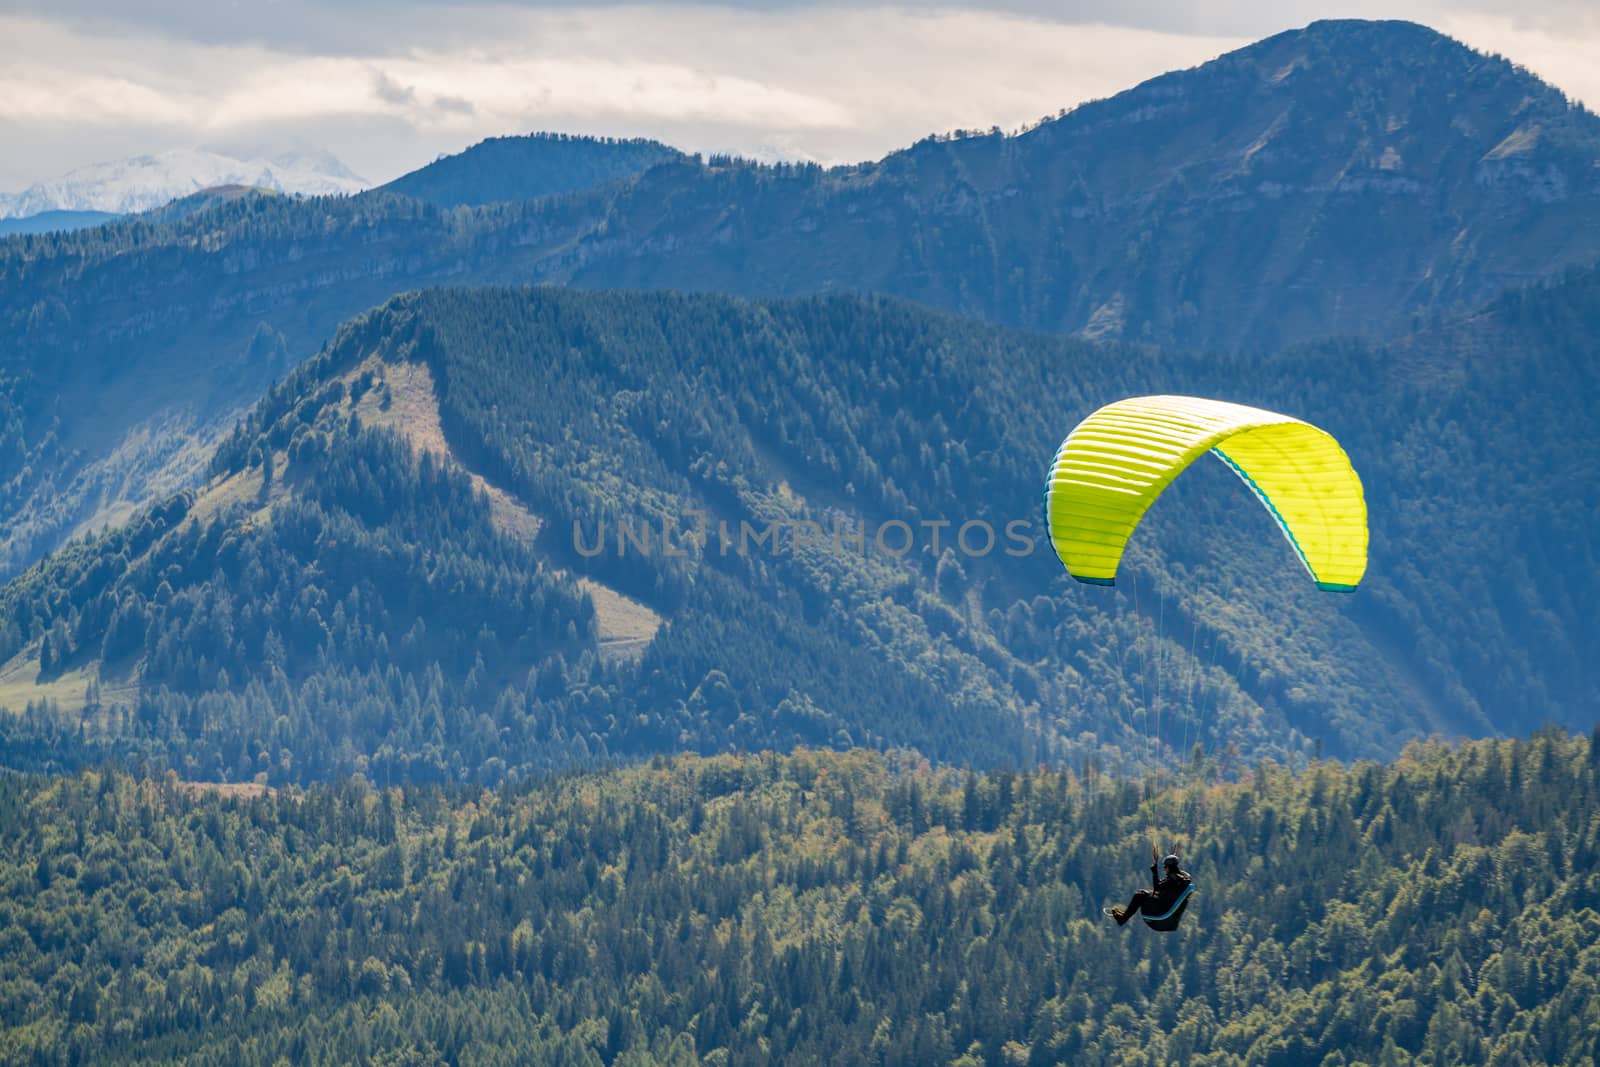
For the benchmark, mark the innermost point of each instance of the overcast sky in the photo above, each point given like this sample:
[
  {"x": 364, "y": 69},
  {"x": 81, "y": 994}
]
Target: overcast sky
[{"x": 387, "y": 86}]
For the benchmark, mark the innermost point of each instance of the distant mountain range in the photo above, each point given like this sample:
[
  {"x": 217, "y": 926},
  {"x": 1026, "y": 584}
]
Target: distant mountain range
[
  {"x": 497, "y": 170},
  {"x": 128, "y": 186},
  {"x": 1208, "y": 231}
]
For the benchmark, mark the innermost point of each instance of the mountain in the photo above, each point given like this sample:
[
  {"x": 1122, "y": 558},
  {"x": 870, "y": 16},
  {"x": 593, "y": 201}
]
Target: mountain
[
  {"x": 1343, "y": 178},
  {"x": 126, "y": 186},
  {"x": 810, "y": 908},
  {"x": 202, "y": 201},
  {"x": 523, "y": 168},
  {"x": 457, "y": 544},
  {"x": 47, "y": 221},
  {"x": 1334, "y": 180}
]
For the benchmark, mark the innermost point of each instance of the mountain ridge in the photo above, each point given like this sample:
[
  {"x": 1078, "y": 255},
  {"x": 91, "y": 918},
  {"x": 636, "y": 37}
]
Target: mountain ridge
[
  {"x": 130, "y": 349},
  {"x": 554, "y": 415},
  {"x": 1315, "y": 158}
]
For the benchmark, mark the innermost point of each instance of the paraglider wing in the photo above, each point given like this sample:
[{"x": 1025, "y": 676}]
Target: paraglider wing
[{"x": 1114, "y": 464}]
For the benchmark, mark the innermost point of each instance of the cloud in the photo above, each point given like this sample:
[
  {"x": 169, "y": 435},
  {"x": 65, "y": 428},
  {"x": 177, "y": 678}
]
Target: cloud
[
  {"x": 392, "y": 87},
  {"x": 376, "y": 27},
  {"x": 392, "y": 92},
  {"x": 828, "y": 84},
  {"x": 455, "y": 105}
]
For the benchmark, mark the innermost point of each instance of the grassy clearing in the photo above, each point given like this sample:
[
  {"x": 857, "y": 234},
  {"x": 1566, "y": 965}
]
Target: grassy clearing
[
  {"x": 405, "y": 400},
  {"x": 20, "y": 685},
  {"x": 626, "y": 626}
]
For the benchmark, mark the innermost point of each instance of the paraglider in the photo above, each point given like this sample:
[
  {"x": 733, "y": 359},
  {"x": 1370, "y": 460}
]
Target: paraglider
[
  {"x": 1115, "y": 463},
  {"x": 1163, "y": 904}
]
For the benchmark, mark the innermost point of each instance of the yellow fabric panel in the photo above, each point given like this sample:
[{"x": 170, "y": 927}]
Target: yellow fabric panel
[
  {"x": 1306, "y": 479},
  {"x": 1111, "y": 468}
]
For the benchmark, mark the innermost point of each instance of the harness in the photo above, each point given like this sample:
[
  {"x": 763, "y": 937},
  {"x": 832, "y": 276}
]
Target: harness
[{"x": 1168, "y": 920}]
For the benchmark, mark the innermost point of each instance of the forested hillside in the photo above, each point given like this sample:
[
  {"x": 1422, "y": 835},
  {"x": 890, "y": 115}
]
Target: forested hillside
[
  {"x": 331, "y": 602},
  {"x": 1344, "y": 178},
  {"x": 817, "y": 908}
]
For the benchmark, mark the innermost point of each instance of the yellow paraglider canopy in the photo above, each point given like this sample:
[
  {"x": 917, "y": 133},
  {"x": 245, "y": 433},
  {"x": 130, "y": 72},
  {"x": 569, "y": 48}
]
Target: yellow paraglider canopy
[{"x": 1111, "y": 468}]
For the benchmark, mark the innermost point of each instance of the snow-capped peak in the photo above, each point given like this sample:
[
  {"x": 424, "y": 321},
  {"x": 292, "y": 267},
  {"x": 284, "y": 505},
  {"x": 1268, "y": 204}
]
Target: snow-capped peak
[{"x": 145, "y": 182}]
